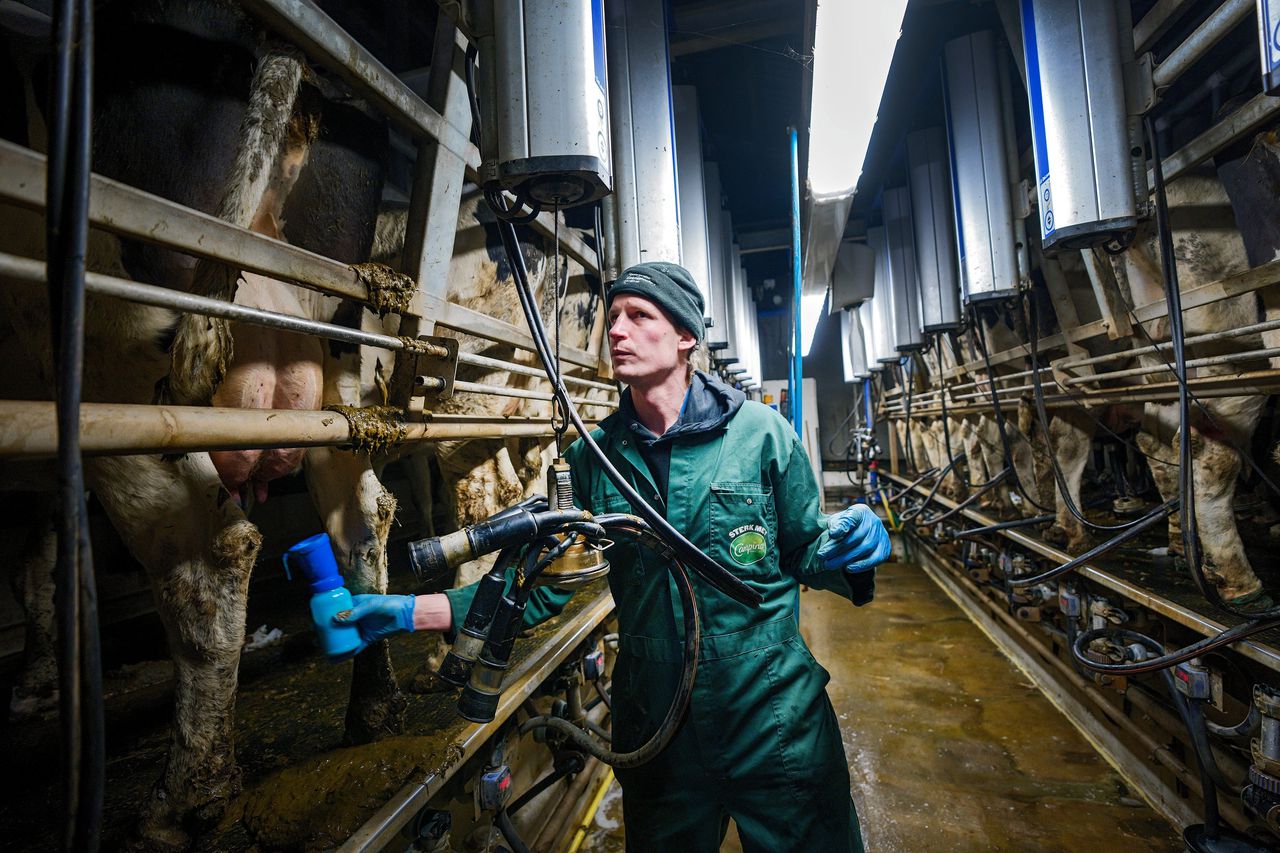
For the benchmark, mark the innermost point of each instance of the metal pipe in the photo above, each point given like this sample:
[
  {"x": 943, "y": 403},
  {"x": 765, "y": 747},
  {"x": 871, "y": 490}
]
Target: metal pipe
[
  {"x": 1150, "y": 746},
  {"x": 123, "y": 210},
  {"x": 32, "y": 271},
  {"x": 525, "y": 370},
  {"x": 1207, "y": 361},
  {"x": 1209, "y": 337},
  {"x": 521, "y": 393},
  {"x": 1253, "y": 382},
  {"x": 797, "y": 356},
  {"x": 27, "y": 429},
  {"x": 1214, "y": 29}
]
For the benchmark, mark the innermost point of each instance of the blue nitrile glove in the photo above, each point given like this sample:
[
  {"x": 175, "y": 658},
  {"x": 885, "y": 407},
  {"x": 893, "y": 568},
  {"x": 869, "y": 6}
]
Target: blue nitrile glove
[
  {"x": 858, "y": 540},
  {"x": 378, "y": 617}
]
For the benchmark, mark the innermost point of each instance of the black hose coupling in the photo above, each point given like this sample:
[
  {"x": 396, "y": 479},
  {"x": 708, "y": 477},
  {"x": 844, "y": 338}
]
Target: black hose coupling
[
  {"x": 479, "y": 700},
  {"x": 432, "y": 559},
  {"x": 456, "y": 668}
]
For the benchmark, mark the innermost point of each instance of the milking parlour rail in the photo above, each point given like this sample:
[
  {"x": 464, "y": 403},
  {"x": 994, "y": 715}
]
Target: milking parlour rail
[
  {"x": 437, "y": 120},
  {"x": 440, "y": 124}
]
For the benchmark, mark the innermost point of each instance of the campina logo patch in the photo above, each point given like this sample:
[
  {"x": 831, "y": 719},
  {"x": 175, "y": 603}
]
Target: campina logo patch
[{"x": 747, "y": 544}]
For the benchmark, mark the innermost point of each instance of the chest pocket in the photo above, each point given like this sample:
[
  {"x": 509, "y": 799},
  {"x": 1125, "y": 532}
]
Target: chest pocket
[{"x": 743, "y": 527}]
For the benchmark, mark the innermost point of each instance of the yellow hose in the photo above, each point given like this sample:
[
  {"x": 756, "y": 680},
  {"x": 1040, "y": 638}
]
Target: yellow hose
[
  {"x": 584, "y": 826},
  {"x": 893, "y": 522}
]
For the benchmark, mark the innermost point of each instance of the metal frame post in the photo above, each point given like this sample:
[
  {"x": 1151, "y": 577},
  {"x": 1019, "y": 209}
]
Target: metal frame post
[{"x": 797, "y": 358}]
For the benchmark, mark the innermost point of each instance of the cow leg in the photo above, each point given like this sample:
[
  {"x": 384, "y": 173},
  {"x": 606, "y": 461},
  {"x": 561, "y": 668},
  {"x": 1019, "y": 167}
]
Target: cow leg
[
  {"x": 199, "y": 551},
  {"x": 1162, "y": 458},
  {"x": 357, "y": 513},
  {"x": 1070, "y": 436},
  {"x": 1215, "y": 466},
  {"x": 36, "y": 692}
]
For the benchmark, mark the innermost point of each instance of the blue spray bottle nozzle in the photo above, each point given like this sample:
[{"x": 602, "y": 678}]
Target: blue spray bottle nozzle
[{"x": 314, "y": 556}]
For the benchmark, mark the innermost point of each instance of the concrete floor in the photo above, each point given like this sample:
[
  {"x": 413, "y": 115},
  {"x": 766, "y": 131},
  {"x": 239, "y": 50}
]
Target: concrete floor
[{"x": 949, "y": 747}]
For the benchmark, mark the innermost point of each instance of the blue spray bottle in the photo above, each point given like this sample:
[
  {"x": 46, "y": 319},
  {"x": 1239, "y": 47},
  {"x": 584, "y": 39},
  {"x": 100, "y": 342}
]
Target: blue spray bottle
[{"x": 328, "y": 596}]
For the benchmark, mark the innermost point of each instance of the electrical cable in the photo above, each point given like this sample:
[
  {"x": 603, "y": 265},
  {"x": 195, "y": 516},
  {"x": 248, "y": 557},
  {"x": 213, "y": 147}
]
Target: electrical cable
[{"x": 70, "y": 116}]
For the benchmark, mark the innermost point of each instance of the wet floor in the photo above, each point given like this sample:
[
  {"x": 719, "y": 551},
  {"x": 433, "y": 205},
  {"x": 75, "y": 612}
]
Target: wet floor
[{"x": 949, "y": 746}]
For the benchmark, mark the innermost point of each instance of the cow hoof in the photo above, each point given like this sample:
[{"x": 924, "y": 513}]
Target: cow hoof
[
  {"x": 1076, "y": 547},
  {"x": 166, "y": 822},
  {"x": 1252, "y": 602},
  {"x": 375, "y": 717},
  {"x": 1055, "y": 536}
]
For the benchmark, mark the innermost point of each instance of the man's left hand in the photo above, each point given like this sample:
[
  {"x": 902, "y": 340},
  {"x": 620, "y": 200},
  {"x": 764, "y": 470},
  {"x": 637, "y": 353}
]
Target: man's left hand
[{"x": 857, "y": 540}]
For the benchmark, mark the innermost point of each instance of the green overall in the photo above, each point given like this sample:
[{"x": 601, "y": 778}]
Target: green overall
[{"x": 760, "y": 743}]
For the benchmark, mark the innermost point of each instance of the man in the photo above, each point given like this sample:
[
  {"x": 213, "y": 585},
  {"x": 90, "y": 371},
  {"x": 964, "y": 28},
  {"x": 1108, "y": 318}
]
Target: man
[{"x": 760, "y": 743}]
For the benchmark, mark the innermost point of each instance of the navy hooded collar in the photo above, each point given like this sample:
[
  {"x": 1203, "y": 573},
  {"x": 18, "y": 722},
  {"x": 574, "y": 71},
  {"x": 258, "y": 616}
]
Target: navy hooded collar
[{"x": 708, "y": 405}]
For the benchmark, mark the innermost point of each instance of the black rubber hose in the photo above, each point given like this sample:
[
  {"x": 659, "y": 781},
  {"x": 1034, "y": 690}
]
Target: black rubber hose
[
  {"x": 575, "y": 763},
  {"x": 1006, "y": 525},
  {"x": 1186, "y": 474},
  {"x": 70, "y": 115},
  {"x": 894, "y": 498},
  {"x": 909, "y": 383},
  {"x": 967, "y": 502},
  {"x": 1149, "y": 520},
  {"x": 1202, "y": 647},
  {"x": 1005, "y": 449},
  {"x": 712, "y": 572},
  {"x": 684, "y": 691},
  {"x": 1042, "y": 415},
  {"x": 502, "y": 820},
  {"x": 946, "y": 426},
  {"x": 1211, "y": 776},
  {"x": 910, "y": 514}
]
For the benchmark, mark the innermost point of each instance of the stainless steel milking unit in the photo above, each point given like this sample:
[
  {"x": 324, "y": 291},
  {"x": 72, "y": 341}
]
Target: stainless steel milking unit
[
  {"x": 640, "y": 111},
  {"x": 985, "y": 241},
  {"x": 905, "y": 286},
  {"x": 550, "y": 143},
  {"x": 933, "y": 215},
  {"x": 1079, "y": 128},
  {"x": 718, "y": 333},
  {"x": 695, "y": 246}
]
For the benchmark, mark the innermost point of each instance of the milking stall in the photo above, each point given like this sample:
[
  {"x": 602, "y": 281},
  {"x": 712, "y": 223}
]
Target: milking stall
[{"x": 648, "y": 425}]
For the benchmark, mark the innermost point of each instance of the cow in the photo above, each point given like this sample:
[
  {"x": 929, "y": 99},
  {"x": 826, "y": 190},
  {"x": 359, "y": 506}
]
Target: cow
[
  {"x": 1207, "y": 246},
  {"x": 261, "y": 140}
]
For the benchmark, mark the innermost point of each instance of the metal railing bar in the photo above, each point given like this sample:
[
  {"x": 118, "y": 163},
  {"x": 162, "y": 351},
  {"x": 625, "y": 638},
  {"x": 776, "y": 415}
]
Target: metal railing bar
[
  {"x": 32, "y": 271},
  {"x": 126, "y": 211},
  {"x": 123, "y": 210},
  {"x": 27, "y": 429},
  {"x": 1208, "y": 337},
  {"x": 461, "y": 387}
]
